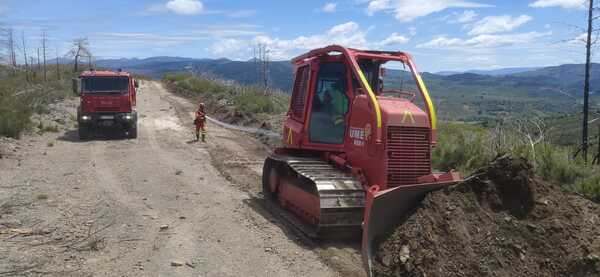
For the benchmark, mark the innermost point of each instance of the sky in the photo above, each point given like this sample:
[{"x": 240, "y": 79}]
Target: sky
[{"x": 441, "y": 35}]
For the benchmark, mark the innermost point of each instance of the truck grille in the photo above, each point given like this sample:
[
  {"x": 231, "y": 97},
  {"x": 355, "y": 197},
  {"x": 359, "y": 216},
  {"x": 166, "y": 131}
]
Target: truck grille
[
  {"x": 408, "y": 153},
  {"x": 107, "y": 109}
]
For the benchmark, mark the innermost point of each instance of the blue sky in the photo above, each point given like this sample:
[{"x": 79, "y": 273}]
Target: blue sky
[{"x": 440, "y": 34}]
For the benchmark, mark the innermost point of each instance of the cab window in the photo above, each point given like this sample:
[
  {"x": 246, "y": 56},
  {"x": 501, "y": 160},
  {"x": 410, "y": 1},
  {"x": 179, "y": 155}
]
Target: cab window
[{"x": 330, "y": 105}]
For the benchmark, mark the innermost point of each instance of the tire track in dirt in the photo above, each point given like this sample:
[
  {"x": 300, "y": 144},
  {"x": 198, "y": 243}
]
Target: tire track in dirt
[
  {"x": 239, "y": 157},
  {"x": 127, "y": 189}
]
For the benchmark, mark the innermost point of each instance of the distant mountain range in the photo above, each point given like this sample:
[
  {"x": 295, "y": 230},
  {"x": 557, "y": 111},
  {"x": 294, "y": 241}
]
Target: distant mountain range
[
  {"x": 243, "y": 72},
  {"x": 474, "y": 95},
  {"x": 492, "y": 72}
]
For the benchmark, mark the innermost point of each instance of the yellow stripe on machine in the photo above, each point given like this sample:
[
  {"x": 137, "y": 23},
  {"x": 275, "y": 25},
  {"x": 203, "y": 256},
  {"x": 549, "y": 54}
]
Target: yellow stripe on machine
[
  {"x": 290, "y": 140},
  {"x": 372, "y": 96},
  {"x": 408, "y": 114},
  {"x": 427, "y": 100}
]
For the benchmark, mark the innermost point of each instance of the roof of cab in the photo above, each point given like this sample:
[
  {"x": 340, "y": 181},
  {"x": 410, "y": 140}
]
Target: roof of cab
[{"x": 103, "y": 73}]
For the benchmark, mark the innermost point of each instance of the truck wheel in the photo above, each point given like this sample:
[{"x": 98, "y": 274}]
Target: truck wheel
[
  {"x": 84, "y": 132},
  {"x": 132, "y": 132}
]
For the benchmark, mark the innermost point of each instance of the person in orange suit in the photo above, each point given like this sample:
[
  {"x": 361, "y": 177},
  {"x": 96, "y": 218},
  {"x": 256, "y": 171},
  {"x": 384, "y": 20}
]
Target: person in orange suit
[{"x": 200, "y": 122}]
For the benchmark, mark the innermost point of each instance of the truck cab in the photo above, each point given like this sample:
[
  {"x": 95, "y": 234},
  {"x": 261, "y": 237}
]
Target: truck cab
[{"x": 108, "y": 100}]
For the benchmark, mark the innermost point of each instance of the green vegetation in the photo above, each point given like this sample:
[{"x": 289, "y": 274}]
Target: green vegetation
[
  {"x": 20, "y": 97},
  {"x": 464, "y": 147},
  {"x": 244, "y": 101},
  {"x": 468, "y": 147}
]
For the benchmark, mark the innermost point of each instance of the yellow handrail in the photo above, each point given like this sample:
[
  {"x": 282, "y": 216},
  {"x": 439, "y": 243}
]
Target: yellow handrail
[
  {"x": 363, "y": 79},
  {"x": 425, "y": 93}
]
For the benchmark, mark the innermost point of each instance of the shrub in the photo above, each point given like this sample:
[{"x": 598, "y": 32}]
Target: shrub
[
  {"x": 14, "y": 116},
  {"x": 590, "y": 188},
  {"x": 465, "y": 148},
  {"x": 20, "y": 98},
  {"x": 461, "y": 147},
  {"x": 248, "y": 100}
]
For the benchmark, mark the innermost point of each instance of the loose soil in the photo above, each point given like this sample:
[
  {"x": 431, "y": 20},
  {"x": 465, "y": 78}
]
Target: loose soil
[
  {"x": 502, "y": 221},
  {"x": 152, "y": 206}
]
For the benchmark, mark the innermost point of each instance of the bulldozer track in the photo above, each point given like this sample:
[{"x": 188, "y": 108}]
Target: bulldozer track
[
  {"x": 289, "y": 222},
  {"x": 341, "y": 198}
]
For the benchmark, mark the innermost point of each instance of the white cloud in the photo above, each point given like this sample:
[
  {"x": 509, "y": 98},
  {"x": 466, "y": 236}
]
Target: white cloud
[
  {"x": 348, "y": 34},
  {"x": 185, "y": 7},
  {"x": 220, "y": 32},
  {"x": 145, "y": 38},
  {"x": 394, "y": 39},
  {"x": 154, "y": 8},
  {"x": 567, "y": 4},
  {"x": 378, "y": 5},
  {"x": 225, "y": 47},
  {"x": 329, "y": 7},
  {"x": 242, "y": 13},
  {"x": 582, "y": 38},
  {"x": 342, "y": 29},
  {"x": 408, "y": 10},
  {"x": 464, "y": 17},
  {"x": 498, "y": 24},
  {"x": 484, "y": 41}
]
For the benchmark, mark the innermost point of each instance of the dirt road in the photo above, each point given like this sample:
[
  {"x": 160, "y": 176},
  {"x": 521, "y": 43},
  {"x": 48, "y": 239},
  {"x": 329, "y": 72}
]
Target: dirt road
[{"x": 159, "y": 205}]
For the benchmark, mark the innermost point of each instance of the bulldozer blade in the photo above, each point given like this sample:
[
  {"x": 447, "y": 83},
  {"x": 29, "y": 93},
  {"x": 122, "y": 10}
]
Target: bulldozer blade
[{"x": 384, "y": 210}]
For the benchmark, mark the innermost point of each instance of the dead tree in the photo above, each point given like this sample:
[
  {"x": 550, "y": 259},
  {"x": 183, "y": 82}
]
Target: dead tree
[
  {"x": 44, "y": 44},
  {"x": 80, "y": 49},
  {"x": 586, "y": 83},
  {"x": 24, "y": 50},
  {"x": 38, "y": 67},
  {"x": 3, "y": 47},
  {"x": 33, "y": 72},
  {"x": 531, "y": 133},
  {"x": 262, "y": 63},
  {"x": 12, "y": 49},
  {"x": 57, "y": 66},
  {"x": 90, "y": 61}
]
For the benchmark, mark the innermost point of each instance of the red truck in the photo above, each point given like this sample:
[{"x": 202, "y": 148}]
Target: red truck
[{"x": 108, "y": 99}]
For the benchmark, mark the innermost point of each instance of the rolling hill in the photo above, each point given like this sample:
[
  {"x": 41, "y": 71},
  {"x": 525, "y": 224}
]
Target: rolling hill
[
  {"x": 488, "y": 96},
  {"x": 492, "y": 72},
  {"x": 243, "y": 72}
]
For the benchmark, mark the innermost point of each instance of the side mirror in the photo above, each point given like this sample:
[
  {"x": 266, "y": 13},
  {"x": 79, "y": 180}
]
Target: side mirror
[
  {"x": 136, "y": 84},
  {"x": 76, "y": 83}
]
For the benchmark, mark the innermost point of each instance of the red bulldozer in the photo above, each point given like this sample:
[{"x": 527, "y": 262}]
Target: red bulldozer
[{"x": 357, "y": 144}]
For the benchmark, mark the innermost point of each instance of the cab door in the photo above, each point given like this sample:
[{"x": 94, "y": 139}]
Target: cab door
[
  {"x": 330, "y": 104},
  {"x": 293, "y": 128}
]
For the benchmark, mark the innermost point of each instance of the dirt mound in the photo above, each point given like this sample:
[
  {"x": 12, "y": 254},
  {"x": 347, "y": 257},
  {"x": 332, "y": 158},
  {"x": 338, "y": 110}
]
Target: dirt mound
[{"x": 500, "y": 222}]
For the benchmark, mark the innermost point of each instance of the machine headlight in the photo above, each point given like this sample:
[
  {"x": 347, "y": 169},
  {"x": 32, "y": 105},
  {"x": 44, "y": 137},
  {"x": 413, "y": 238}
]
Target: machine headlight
[
  {"x": 127, "y": 117},
  {"x": 86, "y": 117}
]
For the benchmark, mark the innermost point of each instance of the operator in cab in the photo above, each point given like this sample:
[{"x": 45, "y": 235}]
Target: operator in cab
[{"x": 328, "y": 117}]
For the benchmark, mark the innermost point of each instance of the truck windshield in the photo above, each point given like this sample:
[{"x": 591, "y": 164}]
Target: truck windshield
[{"x": 105, "y": 84}]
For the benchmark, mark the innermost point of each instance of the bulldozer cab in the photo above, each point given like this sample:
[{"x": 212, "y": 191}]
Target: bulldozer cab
[{"x": 325, "y": 89}]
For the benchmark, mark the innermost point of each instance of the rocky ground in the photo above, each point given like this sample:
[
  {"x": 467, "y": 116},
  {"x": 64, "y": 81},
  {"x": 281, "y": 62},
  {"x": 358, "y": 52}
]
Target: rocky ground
[
  {"x": 160, "y": 205},
  {"x": 501, "y": 222}
]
